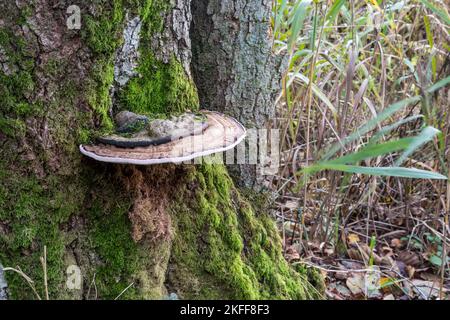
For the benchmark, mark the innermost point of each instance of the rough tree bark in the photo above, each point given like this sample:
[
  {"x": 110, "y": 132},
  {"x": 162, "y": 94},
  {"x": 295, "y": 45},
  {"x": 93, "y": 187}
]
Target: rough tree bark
[
  {"x": 180, "y": 229},
  {"x": 231, "y": 46}
]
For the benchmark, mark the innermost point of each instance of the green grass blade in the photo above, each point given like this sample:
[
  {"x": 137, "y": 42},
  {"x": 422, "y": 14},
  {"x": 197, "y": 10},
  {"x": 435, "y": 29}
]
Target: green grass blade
[
  {"x": 370, "y": 125},
  {"x": 319, "y": 93},
  {"x": 312, "y": 40},
  {"x": 378, "y": 171},
  {"x": 372, "y": 151},
  {"x": 334, "y": 10},
  {"x": 300, "y": 14},
  {"x": 425, "y": 136},
  {"x": 279, "y": 16},
  {"x": 389, "y": 128},
  {"x": 438, "y": 85},
  {"x": 440, "y": 12}
]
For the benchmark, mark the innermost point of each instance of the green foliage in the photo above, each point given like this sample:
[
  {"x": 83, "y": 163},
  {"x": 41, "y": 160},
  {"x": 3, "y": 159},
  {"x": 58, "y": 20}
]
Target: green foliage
[
  {"x": 300, "y": 11},
  {"x": 121, "y": 258},
  {"x": 358, "y": 103},
  {"x": 440, "y": 12},
  {"x": 408, "y": 145}
]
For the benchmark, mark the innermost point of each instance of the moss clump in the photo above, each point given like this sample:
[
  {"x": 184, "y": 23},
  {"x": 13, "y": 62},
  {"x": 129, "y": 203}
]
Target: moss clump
[
  {"x": 103, "y": 31},
  {"x": 76, "y": 214},
  {"x": 224, "y": 248},
  {"x": 15, "y": 86},
  {"x": 13, "y": 128},
  {"x": 103, "y": 35},
  {"x": 99, "y": 97},
  {"x": 162, "y": 89},
  {"x": 121, "y": 260},
  {"x": 32, "y": 211},
  {"x": 119, "y": 254}
]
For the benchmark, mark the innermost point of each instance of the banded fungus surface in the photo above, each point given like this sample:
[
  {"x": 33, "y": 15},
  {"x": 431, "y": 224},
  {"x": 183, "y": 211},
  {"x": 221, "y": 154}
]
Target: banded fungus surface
[{"x": 143, "y": 142}]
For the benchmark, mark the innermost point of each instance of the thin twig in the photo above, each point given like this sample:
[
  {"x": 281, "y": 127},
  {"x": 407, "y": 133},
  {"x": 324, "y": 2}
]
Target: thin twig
[
  {"x": 95, "y": 288},
  {"x": 27, "y": 279},
  {"x": 124, "y": 290},
  {"x": 44, "y": 268}
]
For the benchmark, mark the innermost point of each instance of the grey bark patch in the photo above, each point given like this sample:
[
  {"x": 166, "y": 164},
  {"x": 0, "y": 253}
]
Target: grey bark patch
[
  {"x": 5, "y": 67},
  {"x": 174, "y": 40},
  {"x": 232, "y": 49},
  {"x": 128, "y": 55},
  {"x": 233, "y": 65},
  {"x": 3, "y": 285}
]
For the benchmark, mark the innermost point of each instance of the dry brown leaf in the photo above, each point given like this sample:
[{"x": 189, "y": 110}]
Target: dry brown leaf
[
  {"x": 430, "y": 276},
  {"x": 387, "y": 251},
  {"x": 410, "y": 258},
  {"x": 353, "y": 238},
  {"x": 349, "y": 265},
  {"x": 292, "y": 254},
  {"x": 426, "y": 289},
  {"x": 363, "y": 253},
  {"x": 396, "y": 243},
  {"x": 354, "y": 254},
  {"x": 411, "y": 271},
  {"x": 291, "y": 204},
  {"x": 356, "y": 284},
  {"x": 340, "y": 290},
  {"x": 387, "y": 261},
  {"x": 341, "y": 275}
]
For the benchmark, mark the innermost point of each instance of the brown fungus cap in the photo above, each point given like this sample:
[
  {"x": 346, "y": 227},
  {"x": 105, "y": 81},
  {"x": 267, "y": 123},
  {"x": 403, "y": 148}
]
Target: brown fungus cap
[{"x": 220, "y": 134}]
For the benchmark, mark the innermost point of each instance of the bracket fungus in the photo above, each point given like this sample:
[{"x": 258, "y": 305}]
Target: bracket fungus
[{"x": 139, "y": 140}]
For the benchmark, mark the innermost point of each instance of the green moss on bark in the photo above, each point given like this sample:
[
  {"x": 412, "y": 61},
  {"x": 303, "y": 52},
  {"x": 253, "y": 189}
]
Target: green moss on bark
[
  {"x": 16, "y": 85},
  {"x": 32, "y": 212},
  {"x": 225, "y": 248},
  {"x": 122, "y": 261},
  {"x": 163, "y": 88},
  {"x": 40, "y": 205},
  {"x": 99, "y": 93}
]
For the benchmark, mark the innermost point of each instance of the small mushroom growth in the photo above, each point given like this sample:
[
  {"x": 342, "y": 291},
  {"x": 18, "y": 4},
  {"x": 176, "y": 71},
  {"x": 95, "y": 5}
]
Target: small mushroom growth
[{"x": 139, "y": 140}]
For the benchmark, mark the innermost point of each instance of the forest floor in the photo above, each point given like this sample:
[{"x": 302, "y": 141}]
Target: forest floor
[{"x": 402, "y": 264}]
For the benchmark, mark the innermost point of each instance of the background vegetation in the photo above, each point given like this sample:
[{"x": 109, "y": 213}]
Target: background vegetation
[{"x": 365, "y": 123}]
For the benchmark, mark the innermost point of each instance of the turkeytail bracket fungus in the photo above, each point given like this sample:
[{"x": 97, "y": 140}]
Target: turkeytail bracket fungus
[{"x": 143, "y": 142}]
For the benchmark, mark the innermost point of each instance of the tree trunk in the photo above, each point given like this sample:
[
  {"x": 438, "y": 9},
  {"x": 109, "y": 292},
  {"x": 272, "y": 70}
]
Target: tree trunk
[
  {"x": 231, "y": 47},
  {"x": 163, "y": 229}
]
